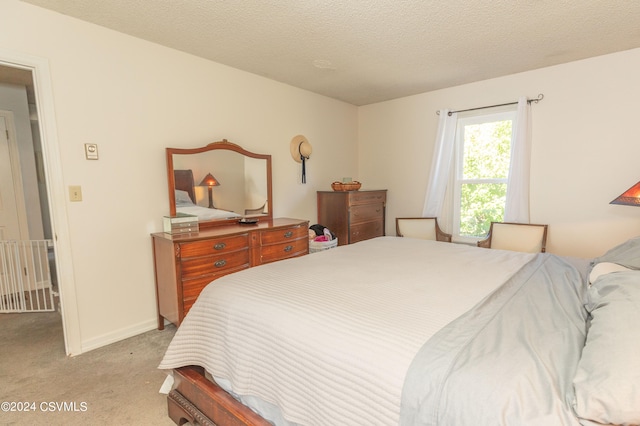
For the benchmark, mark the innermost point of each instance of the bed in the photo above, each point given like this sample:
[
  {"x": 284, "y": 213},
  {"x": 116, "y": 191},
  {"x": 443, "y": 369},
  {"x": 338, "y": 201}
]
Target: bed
[
  {"x": 404, "y": 331},
  {"x": 186, "y": 199}
]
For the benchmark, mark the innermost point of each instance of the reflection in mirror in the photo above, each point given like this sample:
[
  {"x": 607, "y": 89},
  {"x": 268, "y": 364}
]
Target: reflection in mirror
[{"x": 220, "y": 183}]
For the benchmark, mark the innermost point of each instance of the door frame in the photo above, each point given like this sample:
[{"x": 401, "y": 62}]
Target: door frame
[
  {"x": 41, "y": 75},
  {"x": 14, "y": 160}
]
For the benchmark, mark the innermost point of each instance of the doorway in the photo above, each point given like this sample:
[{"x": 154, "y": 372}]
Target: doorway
[
  {"x": 12, "y": 208},
  {"x": 26, "y": 283},
  {"x": 33, "y": 74}
]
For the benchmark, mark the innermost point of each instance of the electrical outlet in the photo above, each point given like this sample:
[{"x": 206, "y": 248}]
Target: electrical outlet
[{"x": 75, "y": 193}]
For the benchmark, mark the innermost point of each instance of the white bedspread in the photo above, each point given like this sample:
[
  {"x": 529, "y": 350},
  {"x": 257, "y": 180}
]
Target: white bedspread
[
  {"x": 205, "y": 213},
  {"x": 329, "y": 337}
]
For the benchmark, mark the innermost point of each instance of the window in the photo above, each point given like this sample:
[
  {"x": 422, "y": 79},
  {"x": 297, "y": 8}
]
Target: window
[{"x": 482, "y": 156}]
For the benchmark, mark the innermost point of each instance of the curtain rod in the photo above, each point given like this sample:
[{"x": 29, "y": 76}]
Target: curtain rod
[{"x": 536, "y": 100}]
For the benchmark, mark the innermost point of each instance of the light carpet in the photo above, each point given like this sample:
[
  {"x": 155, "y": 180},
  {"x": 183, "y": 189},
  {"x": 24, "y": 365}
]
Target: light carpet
[{"x": 113, "y": 385}]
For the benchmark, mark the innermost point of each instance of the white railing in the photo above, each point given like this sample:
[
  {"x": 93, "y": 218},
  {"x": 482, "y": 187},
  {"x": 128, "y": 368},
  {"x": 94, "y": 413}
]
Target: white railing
[{"x": 25, "y": 276}]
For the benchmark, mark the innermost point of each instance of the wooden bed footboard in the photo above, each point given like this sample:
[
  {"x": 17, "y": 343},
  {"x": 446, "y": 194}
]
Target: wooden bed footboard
[{"x": 198, "y": 400}]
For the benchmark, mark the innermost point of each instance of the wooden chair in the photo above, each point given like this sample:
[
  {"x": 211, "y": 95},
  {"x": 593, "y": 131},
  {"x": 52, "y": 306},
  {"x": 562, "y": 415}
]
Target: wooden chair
[
  {"x": 425, "y": 228},
  {"x": 525, "y": 237}
]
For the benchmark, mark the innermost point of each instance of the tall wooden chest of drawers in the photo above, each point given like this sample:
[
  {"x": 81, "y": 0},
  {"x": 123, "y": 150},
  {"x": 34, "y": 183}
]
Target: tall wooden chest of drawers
[
  {"x": 353, "y": 215},
  {"x": 186, "y": 263}
]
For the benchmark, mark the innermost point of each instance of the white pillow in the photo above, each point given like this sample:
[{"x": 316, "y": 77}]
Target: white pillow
[
  {"x": 607, "y": 380},
  {"x": 182, "y": 197},
  {"x": 605, "y": 268}
]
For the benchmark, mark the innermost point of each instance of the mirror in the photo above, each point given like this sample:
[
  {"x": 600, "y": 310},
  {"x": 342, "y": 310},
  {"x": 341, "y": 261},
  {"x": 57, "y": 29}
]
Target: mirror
[{"x": 220, "y": 183}]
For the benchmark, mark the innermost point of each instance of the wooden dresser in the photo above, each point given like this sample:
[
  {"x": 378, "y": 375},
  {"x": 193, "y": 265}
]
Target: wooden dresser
[
  {"x": 185, "y": 264},
  {"x": 353, "y": 215}
]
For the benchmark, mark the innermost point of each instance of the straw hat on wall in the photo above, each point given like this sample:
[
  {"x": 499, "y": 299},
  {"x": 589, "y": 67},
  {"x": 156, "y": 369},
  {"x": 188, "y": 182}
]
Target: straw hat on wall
[{"x": 300, "y": 147}]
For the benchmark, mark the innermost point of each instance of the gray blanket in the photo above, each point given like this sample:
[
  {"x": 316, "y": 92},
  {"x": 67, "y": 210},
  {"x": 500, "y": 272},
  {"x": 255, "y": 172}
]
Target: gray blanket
[
  {"x": 626, "y": 254},
  {"x": 508, "y": 361}
]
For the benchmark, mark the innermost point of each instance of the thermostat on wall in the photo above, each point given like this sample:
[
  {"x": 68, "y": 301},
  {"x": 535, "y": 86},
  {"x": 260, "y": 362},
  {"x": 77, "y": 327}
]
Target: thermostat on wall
[{"x": 91, "y": 151}]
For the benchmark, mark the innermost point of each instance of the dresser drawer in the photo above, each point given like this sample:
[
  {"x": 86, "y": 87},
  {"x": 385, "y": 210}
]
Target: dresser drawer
[
  {"x": 186, "y": 263},
  {"x": 365, "y": 212},
  {"x": 284, "y": 250},
  {"x": 186, "y": 306},
  {"x": 207, "y": 265},
  {"x": 214, "y": 246},
  {"x": 191, "y": 289},
  {"x": 281, "y": 235},
  {"x": 365, "y": 231},
  {"x": 368, "y": 197}
]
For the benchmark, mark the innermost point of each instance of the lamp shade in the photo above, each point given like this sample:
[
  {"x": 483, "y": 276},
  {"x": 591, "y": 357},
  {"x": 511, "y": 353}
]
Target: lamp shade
[
  {"x": 209, "y": 180},
  {"x": 631, "y": 197}
]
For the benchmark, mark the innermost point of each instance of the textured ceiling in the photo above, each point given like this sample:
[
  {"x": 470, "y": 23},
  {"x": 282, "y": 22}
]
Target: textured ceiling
[{"x": 366, "y": 51}]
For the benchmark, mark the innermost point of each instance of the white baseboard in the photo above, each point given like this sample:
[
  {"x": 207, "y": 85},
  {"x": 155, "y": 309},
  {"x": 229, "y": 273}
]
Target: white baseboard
[{"x": 117, "y": 335}]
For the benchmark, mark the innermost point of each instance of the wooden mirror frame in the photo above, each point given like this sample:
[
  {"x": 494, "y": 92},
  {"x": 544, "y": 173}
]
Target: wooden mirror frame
[{"x": 220, "y": 145}]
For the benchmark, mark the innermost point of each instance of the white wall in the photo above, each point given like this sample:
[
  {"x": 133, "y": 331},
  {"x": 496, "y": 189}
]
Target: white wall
[
  {"x": 133, "y": 99},
  {"x": 586, "y": 147}
]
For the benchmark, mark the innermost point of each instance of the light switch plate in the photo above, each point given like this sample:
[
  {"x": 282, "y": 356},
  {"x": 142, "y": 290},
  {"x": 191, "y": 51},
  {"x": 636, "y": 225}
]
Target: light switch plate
[
  {"x": 75, "y": 193},
  {"x": 91, "y": 151}
]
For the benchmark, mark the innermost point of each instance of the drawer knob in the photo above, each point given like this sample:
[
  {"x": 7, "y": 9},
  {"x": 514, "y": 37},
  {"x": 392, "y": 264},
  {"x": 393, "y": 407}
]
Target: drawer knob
[
  {"x": 287, "y": 249},
  {"x": 288, "y": 234},
  {"x": 220, "y": 246},
  {"x": 220, "y": 263}
]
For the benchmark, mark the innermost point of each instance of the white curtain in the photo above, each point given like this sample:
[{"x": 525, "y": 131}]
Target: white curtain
[
  {"x": 517, "y": 204},
  {"x": 440, "y": 164}
]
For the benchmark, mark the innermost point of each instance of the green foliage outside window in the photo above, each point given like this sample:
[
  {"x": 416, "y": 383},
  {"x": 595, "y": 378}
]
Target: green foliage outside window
[
  {"x": 487, "y": 149},
  {"x": 480, "y": 204}
]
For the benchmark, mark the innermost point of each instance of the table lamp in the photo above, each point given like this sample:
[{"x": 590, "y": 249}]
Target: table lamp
[
  {"x": 209, "y": 181},
  {"x": 631, "y": 197}
]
